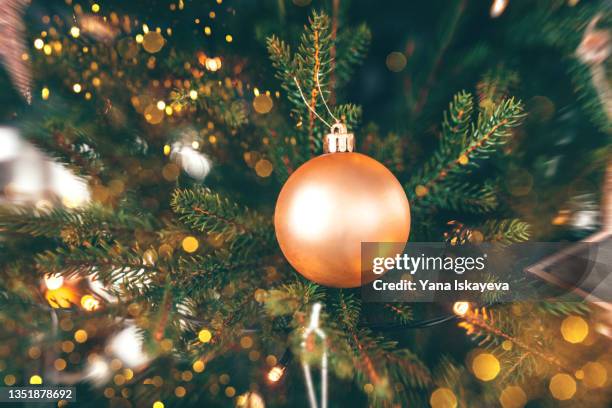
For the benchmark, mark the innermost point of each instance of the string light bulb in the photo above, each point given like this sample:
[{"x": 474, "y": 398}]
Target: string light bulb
[
  {"x": 90, "y": 303},
  {"x": 53, "y": 282},
  {"x": 498, "y": 7},
  {"x": 461, "y": 308},
  {"x": 213, "y": 64},
  {"x": 276, "y": 373},
  {"x": 36, "y": 380}
]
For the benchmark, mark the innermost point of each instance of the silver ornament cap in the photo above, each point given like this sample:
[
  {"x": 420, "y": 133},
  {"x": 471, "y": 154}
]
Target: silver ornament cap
[{"x": 339, "y": 140}]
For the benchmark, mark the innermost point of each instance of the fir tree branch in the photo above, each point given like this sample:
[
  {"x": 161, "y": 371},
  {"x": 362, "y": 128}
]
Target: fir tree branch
[
  {"x": 458, "y": 196},
  {"x": 222, "y": 103},
  {"x": 564, "y": 307},
  {"x": 104, "y": 261},
  {"x": 290, "y": 298},
  {"x": 401, "y": 312},
  {"x": 506, "y": 231},
  {"x": 352, "y": 49},
  {"x": 463, "y": 143},
  {"x": 74, "y": 226},
  {"x": 489, "y": 132},
  {"x": 482, "y": 323},
  {"x": 209, "y": 212},
  {"x": 309, "y": 64}
]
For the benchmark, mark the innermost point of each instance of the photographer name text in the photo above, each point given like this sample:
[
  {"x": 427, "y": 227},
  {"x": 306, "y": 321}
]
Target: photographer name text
[
  {"x": 434, "y": 264},
  {"x": 427, "y": 285}
]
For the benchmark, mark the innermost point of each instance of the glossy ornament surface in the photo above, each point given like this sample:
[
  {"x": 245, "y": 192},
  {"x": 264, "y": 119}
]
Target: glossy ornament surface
[{"x": 329, "y": 206}]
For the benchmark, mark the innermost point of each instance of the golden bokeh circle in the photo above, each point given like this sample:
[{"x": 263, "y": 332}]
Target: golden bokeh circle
[
  {"x": 262, "y": 103},
  {"x": 263, "y": 168},
  {"x": 153, "y": 42},
  {"x": 574, "y": 329},
  {"x": 443, "y": 398},
  {"x": 190, "y": 244},
  {"x": 153, "y": 115},
  {"x": 513, "y": 396},
  {"x": 562, "y": 386},
  {"x": 486, "y": 366},
  {"x": 127, "y": 48},
  {"x": 595, "y": 375}
]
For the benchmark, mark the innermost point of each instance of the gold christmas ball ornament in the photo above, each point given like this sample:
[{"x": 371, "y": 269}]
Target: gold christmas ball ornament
[{"x": 333, "y": 203}]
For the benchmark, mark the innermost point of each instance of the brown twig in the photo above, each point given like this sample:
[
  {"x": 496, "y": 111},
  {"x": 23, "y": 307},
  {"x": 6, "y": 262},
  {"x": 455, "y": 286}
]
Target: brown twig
[{"x": 313, "y": 93}]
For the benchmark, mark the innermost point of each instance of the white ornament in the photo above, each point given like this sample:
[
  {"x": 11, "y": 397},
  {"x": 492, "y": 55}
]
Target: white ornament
[
  {"x": 127, "y": 345},
  {"x": 71, "y": 189},
  {"x": 32, "y": 178},
  {"x": 97, "y": 371},
  {"x": 194, "y": 163},
  {"x": 11, "y": 143},
  {"x": 29, "y": 178}
]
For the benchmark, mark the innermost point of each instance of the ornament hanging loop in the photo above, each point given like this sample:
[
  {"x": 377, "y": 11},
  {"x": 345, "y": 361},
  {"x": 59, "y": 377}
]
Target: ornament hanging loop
[{"x": 338, "y": 139}]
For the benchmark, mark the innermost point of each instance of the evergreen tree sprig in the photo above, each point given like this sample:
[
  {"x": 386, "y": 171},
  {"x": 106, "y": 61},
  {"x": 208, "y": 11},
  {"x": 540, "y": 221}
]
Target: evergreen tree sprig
[
  {"x": 465, "y": 142},
  {"x": 207, "y": 211}
]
